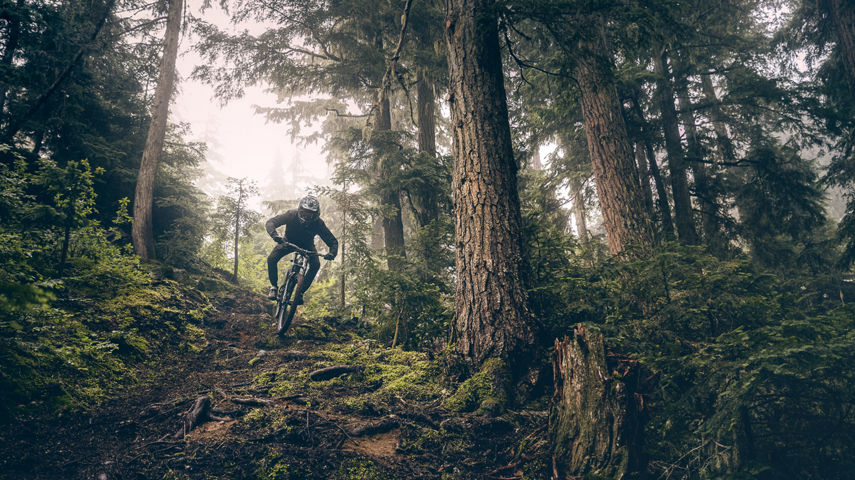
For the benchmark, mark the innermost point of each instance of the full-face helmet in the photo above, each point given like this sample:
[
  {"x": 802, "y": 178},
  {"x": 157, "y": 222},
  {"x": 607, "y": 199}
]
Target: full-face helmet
[{"x": 309, "y": 209}]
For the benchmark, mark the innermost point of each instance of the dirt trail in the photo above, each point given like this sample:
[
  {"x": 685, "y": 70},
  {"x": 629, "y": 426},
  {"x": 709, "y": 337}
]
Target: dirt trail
[{"x": 274, "y": 422}]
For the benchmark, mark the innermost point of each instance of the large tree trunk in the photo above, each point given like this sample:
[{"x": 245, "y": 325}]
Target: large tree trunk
[
  {"x": 843, "y": 18},
  {"x": 626, "y": 221},
  {"x": 492, "y": 319},
  {"x": 676, "y": 162},
  {"x": 393, "y": 224},
  {"x": 142, "y": 233},
  {"x": 594, "y": 421},
  {"x": 710, "y": 211}
]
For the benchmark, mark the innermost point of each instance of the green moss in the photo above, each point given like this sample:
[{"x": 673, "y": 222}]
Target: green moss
[
  {"x": 485, "y": 392},
  {"x": 419, "y": 440},
  {"x": 274, "y": 467},
  {"x": 360, "y": 469}
]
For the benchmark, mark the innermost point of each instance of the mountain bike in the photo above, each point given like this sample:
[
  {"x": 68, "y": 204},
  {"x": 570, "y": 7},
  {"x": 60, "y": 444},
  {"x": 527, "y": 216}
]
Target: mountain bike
[{"x": 285, "y": 305}]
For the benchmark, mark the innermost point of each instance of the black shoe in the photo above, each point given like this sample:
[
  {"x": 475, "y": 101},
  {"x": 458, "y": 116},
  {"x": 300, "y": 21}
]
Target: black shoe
[{"x": 271, "y": 294}]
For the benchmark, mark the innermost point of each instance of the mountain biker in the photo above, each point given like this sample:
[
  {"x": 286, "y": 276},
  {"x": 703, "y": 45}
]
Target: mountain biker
[{"x": 301, "y": 226}]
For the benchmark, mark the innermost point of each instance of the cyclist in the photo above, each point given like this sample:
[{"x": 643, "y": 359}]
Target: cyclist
[{"x": 301, "y": 226}]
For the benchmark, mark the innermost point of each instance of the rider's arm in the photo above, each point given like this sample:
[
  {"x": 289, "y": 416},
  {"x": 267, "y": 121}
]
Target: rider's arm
[
  {"x": 276, "y": 222},
  {"x": 328, "y": 238}
]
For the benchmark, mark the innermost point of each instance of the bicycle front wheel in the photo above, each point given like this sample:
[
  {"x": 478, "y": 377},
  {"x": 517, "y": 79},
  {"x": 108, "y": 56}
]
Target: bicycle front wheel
[{"x": 285, "y": 309}]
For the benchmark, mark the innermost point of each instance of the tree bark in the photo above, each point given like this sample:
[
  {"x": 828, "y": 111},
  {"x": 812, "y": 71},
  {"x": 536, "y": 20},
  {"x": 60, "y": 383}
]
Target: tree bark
[
  {"x": 492, "y": 319},
  {"x": 676, "y": 162},
  {"x": 142, "y": 233},
  {"x": 843, "y": 18},
  {"x": 626, "y": 221},
  {"x": 594, "y": 421}
]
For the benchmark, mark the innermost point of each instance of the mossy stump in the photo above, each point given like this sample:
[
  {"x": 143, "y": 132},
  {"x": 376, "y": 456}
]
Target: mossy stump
[{"x": 594, "y": 421}]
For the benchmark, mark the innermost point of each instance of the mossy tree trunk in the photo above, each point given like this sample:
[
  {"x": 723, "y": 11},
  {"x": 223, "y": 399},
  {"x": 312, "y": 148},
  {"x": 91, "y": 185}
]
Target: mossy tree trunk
[{"x": 594, "y": 422}]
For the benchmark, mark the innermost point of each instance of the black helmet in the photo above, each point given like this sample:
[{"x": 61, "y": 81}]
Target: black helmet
[{"x": 309, "y": 209}]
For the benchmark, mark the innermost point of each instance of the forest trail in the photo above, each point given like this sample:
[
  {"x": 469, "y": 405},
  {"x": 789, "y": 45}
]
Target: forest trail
[{"x": 272, "y": 420}]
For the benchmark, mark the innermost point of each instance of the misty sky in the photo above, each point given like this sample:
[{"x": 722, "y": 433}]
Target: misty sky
[{"x": 240, "y": 142}]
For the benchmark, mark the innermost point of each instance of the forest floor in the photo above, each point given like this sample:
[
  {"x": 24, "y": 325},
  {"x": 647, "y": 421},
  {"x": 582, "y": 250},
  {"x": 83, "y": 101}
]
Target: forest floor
[{"x": 272, "y": 418}]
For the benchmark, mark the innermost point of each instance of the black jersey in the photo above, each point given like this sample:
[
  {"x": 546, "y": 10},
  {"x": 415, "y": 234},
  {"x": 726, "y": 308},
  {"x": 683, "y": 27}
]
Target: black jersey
[{"x": 300, "y": 233}]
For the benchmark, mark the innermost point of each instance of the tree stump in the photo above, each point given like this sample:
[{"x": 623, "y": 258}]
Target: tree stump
[{"x": 594, "y": 420}]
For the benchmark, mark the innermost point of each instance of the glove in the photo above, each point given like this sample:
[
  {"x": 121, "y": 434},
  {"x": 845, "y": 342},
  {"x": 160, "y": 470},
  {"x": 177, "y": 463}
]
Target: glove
[
  {"x": 329, "y": 256},
  {"x": 278, "y": 239}
]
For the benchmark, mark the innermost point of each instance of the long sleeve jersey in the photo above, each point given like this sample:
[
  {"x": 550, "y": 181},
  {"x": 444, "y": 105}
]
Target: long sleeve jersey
[{"x": 302, "y": 234}]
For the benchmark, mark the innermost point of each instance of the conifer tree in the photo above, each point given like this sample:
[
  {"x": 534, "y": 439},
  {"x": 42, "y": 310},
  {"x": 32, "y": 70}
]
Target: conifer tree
[{"x": 143, "y": 233}]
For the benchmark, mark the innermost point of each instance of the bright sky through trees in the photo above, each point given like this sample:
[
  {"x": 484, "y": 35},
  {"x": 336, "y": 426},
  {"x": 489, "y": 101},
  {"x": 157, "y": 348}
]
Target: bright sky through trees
[{"x": 240, "y": 142}]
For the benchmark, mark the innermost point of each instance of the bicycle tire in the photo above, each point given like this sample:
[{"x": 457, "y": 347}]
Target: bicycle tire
[
  {"x": 291, "y": 307},
  {"x": 285, "y": 310}
]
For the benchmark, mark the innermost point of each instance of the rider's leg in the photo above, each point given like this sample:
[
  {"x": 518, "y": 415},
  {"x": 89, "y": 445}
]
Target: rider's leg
[
  {"x": 276, "y": 254},
  {"x": 314, "y": 266}
]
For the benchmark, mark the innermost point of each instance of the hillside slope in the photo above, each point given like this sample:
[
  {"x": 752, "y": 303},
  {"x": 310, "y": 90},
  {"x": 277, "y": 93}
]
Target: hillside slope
[{"x": 272, "y": 418}]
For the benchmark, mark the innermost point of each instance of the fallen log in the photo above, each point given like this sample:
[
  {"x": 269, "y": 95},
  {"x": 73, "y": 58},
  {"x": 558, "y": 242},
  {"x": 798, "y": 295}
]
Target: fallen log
[
  {"x": 253, "y": 401},
  {"x": 334, "y": 371},
  {"x": 595, "y": 424}
]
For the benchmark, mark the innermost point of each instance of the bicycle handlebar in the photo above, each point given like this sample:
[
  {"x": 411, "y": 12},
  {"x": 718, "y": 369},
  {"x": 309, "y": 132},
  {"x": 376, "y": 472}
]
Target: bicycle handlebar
[{"x": 305, "y": 252}]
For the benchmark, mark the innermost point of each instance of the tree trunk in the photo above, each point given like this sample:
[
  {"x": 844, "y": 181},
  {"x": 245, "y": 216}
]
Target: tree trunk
[
  {"x": 427, "y": 199},
  {"x": 725, "y": 146},
  {"x": 142, "y": 233},
  {"x": 661, "y": 191},
  {"x": 393, "y": 224},
  {"x": 710, "y": 211},
  {"x": 237, "y": 237},
  {"x": 579, "y": 210},
  {"x": 492, "y": 319},
  {"x": 66, "y": 240},
  {"x": 594, "y": 421},
  {"x": 426, "y": 116},
  {"x": 343, "y": 244},
  {"x": 676, "y": 163},
  {"x": 644, "y": 178},
  {"x": 626, "y": 222},
  {"x": 843, "y": 18}
]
